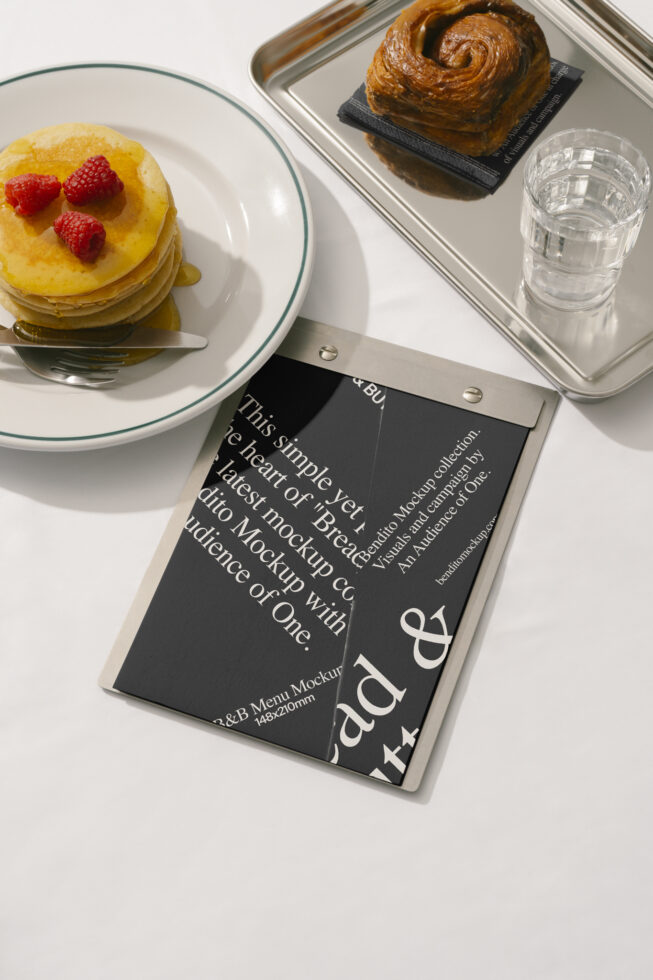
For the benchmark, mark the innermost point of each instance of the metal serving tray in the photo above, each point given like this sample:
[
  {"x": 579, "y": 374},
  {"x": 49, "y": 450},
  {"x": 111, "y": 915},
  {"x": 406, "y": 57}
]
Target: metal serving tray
[{"x": 311, "y": 69}]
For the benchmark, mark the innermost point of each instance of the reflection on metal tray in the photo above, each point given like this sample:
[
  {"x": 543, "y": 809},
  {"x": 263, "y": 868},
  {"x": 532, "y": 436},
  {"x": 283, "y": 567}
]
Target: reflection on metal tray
[{"x": 474, "y": 240}]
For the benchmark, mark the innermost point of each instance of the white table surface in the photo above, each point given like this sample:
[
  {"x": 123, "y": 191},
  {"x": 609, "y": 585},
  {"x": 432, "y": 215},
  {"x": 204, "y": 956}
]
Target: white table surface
[{"x": 137, "y": 845}]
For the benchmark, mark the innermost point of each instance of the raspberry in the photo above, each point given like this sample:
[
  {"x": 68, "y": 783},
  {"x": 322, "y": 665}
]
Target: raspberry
[
  {"x": 83, "y": 234},
  {"x": 29, "y": 193},
  {"x": 93, "y": 181}
]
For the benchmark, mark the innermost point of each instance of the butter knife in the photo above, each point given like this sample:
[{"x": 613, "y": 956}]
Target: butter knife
[{"x": 139, "y": 338}]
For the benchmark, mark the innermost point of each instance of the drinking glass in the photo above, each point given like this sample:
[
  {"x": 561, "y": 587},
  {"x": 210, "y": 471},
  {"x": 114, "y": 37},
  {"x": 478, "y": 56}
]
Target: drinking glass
[{"x": 585, "y": 197}]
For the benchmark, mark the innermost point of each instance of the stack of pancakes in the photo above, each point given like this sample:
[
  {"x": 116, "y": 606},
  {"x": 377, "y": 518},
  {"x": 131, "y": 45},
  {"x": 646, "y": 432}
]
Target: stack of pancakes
[{"x": 41, "y": 281}]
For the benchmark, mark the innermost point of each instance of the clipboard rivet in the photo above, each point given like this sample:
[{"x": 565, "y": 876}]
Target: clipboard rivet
[
  {"x": 328, "y": 352},
  {"x": 472, "y": 394}
]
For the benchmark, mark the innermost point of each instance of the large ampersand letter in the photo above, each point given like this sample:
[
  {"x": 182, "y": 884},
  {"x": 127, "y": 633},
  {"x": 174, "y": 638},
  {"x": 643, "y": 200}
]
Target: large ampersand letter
[{"x": 443, "y": 639}]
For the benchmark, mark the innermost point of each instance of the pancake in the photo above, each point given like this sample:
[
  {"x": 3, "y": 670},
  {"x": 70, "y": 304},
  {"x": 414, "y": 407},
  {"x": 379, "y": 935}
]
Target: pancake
[
  {"x": 43, "y": 284},
  {"x": 119, "y": 289},
  {"x": 32, "y": 258},
  {"x": 129, "y": 310}
]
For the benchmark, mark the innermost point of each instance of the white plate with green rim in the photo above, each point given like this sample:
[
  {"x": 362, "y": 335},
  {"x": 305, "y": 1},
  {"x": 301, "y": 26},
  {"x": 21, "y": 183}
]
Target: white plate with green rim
[{"x": 246, "y": 221}]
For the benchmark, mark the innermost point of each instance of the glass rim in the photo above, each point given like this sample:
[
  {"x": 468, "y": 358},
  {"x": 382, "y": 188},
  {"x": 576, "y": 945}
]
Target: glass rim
[{"x": 639, "y": 160}]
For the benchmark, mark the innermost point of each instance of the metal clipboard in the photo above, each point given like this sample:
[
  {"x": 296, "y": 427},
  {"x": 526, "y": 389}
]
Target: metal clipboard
[{"x": 445, "y": 382}]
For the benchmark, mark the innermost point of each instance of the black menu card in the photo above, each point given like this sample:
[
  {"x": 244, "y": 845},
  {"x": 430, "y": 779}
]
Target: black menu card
[{"x": 313, "y": 586}]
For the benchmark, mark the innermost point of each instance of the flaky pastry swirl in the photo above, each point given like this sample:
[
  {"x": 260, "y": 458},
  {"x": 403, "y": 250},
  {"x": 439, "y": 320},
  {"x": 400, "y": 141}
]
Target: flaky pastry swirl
[{"x": 461, "y": 73}]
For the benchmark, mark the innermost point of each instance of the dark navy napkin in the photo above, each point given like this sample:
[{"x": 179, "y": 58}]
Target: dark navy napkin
[{"x": 487, "y": 172}]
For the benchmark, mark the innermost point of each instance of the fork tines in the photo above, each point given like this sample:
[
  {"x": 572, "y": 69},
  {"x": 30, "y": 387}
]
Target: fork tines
[{"x": 100, "y": 365}]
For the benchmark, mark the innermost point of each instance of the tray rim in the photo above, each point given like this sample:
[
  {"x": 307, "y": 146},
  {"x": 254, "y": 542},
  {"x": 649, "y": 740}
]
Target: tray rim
[{"x": 341, "y": 24}]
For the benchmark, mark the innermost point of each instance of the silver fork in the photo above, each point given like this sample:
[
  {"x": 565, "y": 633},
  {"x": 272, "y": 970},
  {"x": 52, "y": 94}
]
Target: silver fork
[{"x": 87, "y": 368}]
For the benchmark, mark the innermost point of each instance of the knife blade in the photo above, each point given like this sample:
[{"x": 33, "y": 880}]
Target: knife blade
[{"x": 139, "y": 338}]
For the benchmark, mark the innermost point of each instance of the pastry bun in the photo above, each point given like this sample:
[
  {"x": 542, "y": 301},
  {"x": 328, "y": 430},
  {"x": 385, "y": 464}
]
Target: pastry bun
[{"x": 460, "y": 73}]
